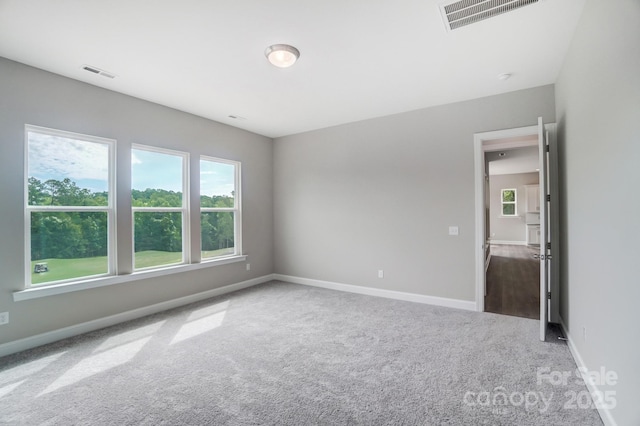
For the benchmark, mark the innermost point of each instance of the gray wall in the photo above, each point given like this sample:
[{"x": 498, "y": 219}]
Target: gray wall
[
  {"x": 381, "y": 194},
  {"x": 598, "y": 113},
  {"x": 28, "y": 95},
  {"x": 509, "y": 228}
]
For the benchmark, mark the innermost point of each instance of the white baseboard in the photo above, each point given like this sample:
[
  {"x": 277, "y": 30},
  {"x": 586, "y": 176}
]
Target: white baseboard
[
  {"x": 605, "y": 414},
  {"x": 74, "y": 330},
  {"x": 510, "y": 243},
  {"x": 389, "y": 294}
]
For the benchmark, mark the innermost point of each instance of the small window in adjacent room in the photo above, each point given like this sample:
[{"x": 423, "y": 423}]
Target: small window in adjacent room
[
  {"x": 159, "y": 202},
  {"x": 220, "y": 219},
  {"x": 69, "y": 206},
  {"x": 508, "y": 199}
]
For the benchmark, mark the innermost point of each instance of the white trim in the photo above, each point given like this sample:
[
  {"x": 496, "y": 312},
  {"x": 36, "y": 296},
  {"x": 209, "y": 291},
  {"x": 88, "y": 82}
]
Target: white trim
[
  {"x": 510, "y": 243},
  {"x": 486, "y": 264},
  {"x": 159, "y": 209},
  {"x": 51, "y": 290},
  {"x": 85, "y": 327},
  {"x": 389, "y": 294},
  {"x": 605, "y": 414},
  {"x": 510, "y": 145},
  {"x": 479, "y": 181}
]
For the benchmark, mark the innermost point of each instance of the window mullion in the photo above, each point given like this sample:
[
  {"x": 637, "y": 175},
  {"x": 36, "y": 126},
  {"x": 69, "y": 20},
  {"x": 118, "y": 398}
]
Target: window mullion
[
  {"x": 218, "y": 209},
  {"x": 159, "y": 209}
]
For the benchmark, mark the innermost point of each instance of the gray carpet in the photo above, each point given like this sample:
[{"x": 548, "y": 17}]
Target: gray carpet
[{"x": 287, "y": 354}]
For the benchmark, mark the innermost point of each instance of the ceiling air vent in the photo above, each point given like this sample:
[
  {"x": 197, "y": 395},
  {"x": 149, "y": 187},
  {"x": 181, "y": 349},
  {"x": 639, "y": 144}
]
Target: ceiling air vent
[
  {"x": 466, "y": 12},
  {"x": 98, "y": 71}
]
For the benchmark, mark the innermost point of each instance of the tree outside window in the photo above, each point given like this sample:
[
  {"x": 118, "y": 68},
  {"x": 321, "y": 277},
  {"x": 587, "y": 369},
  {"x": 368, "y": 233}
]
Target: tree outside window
[{"x": 508, "y": 200}]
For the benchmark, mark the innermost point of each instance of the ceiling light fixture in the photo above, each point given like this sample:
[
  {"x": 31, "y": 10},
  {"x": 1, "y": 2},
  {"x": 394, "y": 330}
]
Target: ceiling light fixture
[
  {"x": 282, "y": 55},
  {"x": 505, "y": 76}
]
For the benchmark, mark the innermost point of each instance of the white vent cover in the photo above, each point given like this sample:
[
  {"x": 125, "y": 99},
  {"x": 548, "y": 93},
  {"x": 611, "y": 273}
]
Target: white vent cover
[
  {"x": 98, "y": 71},
  {"x": 466, "y": 12}
]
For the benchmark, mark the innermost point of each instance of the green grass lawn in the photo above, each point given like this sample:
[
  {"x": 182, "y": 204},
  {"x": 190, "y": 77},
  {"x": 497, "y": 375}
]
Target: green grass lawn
[
  {"x": 64, "y": 269},
  {"x": 207, "y": 254},
  {"x": 149, "y": 258}
]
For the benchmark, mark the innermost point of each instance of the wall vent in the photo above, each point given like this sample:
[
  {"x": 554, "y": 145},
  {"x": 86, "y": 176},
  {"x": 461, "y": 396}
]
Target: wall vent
[
  {"x": 98, "y": 71},
  {"x": 465, "y": 12}
]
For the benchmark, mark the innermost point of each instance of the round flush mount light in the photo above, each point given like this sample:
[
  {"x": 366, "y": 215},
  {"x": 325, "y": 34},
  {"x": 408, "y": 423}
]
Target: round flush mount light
[
  {"x": 282, "y": 55},
  {"x": 504, "y": 76}
]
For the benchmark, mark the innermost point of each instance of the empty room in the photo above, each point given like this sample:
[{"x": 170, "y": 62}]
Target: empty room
[{"x": 281, "y": 212}]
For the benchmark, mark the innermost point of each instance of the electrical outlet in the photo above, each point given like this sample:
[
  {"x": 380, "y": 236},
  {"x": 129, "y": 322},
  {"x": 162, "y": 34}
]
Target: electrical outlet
[
  {"x": 454, "y": 230},
  {"x": 4, "y": 318},
  {"x": 380, "y": 273},
  {"x": 248, "y": 266}
]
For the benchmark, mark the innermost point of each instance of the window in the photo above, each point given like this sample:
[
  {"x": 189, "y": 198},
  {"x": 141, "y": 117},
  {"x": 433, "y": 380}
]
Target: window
[
  {"x": 69, "y": 206},
  {"x": 159, "y": 200},
  {"x": 70, "y": 213},
  {"x": 219, "y": 208},
  {"x": 508, "y": 199}
]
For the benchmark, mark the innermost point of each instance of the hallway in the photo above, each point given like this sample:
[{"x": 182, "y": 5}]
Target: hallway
[{"x": 513, "y": 281}]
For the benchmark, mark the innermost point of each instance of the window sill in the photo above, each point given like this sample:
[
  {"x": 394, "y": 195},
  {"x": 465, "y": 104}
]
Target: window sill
[{"x": 51, "y": 290}]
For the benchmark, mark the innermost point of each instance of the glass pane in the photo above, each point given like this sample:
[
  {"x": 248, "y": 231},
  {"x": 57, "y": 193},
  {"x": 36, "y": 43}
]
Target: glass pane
[
  {"x": 217, "y": 184},
  {"x": 156, "y": 179},
  {"x": 508, "y": 195},
  {"x": 217, "y": 234},
  {"x": 158, "y": 239},
  {"x": 68, "y": 245},
  {"x": 508, "y": 209},
  {"x": 67, "y": 172}
]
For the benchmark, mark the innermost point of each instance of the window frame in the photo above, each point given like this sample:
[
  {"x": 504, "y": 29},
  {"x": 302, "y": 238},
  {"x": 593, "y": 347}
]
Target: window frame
[
  {"x": 121, "y": 271},
  {"x": 109, "y": 209},
  {"x": 504, "y": 203},
  {"x": 184, "y": 209},
  {"x": 236, "y": 209}
]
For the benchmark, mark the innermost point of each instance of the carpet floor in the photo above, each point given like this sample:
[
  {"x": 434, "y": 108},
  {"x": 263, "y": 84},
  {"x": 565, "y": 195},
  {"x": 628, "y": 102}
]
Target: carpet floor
[{"x": 285, "y": 354}]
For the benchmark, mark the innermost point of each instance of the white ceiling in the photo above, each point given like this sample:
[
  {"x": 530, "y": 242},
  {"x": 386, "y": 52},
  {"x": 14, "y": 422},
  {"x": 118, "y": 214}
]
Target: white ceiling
[
  {"x": 516, "y": 160},
  {"x": 359, "y": 58}
]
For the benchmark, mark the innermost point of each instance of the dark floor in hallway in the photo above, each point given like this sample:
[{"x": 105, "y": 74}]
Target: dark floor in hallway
[{"x": 513, "y": 281}]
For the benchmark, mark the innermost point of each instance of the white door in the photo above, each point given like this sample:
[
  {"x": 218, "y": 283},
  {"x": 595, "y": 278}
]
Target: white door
[
  {"x": 553, "y": 226},
  {"x": 544, "y": 227}
]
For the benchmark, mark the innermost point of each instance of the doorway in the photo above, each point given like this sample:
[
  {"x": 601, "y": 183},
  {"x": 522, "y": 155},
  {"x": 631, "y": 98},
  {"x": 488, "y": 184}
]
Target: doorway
[
  {"x": 512, "y": 272},
  {"x": 513, "y": 281},
  {"x": 501, "y": 140}
]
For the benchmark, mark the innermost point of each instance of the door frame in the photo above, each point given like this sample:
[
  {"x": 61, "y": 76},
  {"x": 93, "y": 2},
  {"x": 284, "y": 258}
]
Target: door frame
[{"x": 479, "y": 173}]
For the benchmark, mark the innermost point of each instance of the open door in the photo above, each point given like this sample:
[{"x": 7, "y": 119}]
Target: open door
[
  {"x": 549, "y": 217},
  {"x": 553, "y": 229},
  {"x": 543, "y": 160}
]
